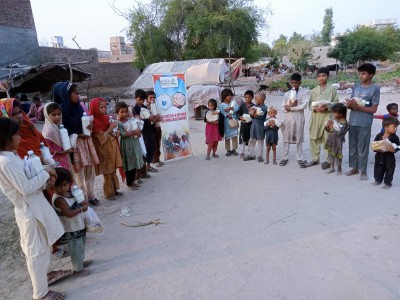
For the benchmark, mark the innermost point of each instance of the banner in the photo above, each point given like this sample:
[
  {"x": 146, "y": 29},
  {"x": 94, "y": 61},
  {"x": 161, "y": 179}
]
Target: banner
[{"x": 170, "y": 90}]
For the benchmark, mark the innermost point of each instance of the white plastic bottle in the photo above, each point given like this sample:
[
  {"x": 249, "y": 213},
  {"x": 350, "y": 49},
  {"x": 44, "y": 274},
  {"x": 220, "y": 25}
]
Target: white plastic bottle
[
  {"x": 111, "y": 120},
  {"x": 65, "y": 138},
  {"x": 35, "y": 165},
  {"x": 154, "y": 110},
  {"x": 47, "y": 157},
  {"x": 85, "y": 124},
  {"x": 77, "y": 194},
  {"x": 292, "y": 96}
]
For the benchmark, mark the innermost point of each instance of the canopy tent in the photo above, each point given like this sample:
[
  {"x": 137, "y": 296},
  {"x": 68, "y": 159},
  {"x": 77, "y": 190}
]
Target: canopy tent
[
  {"x": 30, "y": 79},
  {"x": 200, "y": 71}
]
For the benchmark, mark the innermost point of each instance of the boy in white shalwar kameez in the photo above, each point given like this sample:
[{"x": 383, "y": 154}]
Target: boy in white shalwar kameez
[
  {"x": 38, "y": 224},
  {"x": 294, "y": 103}
]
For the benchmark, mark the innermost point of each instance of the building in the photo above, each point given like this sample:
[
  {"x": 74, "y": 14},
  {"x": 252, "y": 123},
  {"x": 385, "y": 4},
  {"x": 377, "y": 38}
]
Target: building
[
  {"x": 119, "y": 51},
  {"x": 381, "y": 22}
]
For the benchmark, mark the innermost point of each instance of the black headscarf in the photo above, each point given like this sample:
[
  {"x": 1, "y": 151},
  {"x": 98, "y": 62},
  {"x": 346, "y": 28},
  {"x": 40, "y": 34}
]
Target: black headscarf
[{"x": 71, "y": 112}]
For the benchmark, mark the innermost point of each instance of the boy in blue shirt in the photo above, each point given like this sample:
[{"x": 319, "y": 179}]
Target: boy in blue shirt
[{"x": 363, "y": 103}]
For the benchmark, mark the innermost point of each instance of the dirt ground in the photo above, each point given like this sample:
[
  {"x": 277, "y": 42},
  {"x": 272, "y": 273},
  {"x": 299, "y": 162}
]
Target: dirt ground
[{"x": 235, "y": 230}]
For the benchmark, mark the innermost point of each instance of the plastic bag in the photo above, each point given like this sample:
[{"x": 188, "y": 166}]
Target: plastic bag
[
  {"x": 383, "y": 146},
  {"x": 92, "y": 221},
  {"x": 232, "y": 123}
]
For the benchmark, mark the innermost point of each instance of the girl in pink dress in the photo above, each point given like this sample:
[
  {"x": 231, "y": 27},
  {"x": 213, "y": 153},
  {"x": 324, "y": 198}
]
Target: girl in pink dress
[
  {"x": 212, "y": 130},
  {"x": 51, "y": 132}
]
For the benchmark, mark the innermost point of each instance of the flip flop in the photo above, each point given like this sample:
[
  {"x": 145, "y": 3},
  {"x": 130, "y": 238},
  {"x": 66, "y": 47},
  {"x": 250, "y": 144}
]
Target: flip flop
[
  {"x": 52, "y": 295},
  {"x": 151, "y": 169},
  {"x": 58, "y": 275},
  {"x": 283, "y": 162}
]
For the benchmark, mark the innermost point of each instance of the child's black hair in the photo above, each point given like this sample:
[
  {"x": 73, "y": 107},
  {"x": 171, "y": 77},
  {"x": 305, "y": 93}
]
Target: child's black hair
[
  {"x": 367, "y": 67},
  {"x": 139, "y": 93},
  {"x": 389, "y": 121},
  {"x": 249, "y": 92},
  {"x": 225, "y": 93},
  {"x": 391, "y": 105},
  {"x": 71, "y": 88},
  {"x": 120, "y": 105},
  {"x": 63, "y": 175},
  {"x": 295, "y": 77},
  {"x": 213, "y": 102},
  {"x": 9, "y": 127},
  {"x": 51, "y": 107},
  {"x": 340, "y": 109},
  {"x": 149, "y": 93},
  {"x": 35, "y": 98},
  {"x": 323, "y": 70}
]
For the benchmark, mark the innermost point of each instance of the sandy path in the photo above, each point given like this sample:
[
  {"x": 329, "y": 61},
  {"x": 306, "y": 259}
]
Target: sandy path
[{"x": 245, "y": 230}]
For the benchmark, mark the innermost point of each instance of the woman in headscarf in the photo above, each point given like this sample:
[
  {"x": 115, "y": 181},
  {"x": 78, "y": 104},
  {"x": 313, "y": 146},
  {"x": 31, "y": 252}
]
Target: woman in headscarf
[
  {"x": 107, "y": 147},
  {"x": 85, "y": 157},
  {"x": 30, "y": 136}
]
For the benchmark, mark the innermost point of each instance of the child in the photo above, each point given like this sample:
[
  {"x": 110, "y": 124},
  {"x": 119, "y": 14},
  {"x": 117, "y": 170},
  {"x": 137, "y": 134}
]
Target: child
[
  {"x": 131, "y": 152},
  {"x": 272, "y": 125},
  {"x": 392, "y": 109},
  {"x": 106, "y": 144},
  {"x": 337, "y": 129},
  {"x": 229, "y": 110},
  {"x": 258, "y": 114},
  {"x": 244, "y": 132},
  {"x": 148, "y": 137},
  {"x": 38, "y": 224},
  {"x": 212, "y": 131},
  {"x": 184, "y": 145},
  {"x": 321, "y": 100},
  {"x": 156, "y": 128},
  {"x": 51, "y": 132},
  {"x": 85, "y": 156},
  {"x": 363, "y": 103},
  {"x": 70, "y": 213},
  {"x": 293, "y": 125},
  {"x": 385, "y": 162},
  {"x": 35, "y": 113}
]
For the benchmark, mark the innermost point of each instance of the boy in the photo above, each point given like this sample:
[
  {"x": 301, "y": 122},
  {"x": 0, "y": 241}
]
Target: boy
[
  {"x": 392, "y": 109},
  {"x": 36, "y": 112},
  {"x": 320, "y": 113},
  {"x": 257, "y": 131},
  {"x": 385, "y": 162},
  {"x": 360, "y": 121},
  {"x": 140, "y": 97},
  {"x": 293, "y": 126},
  {"x": 156, "y": 128},
  {"x": 244, "y": 133}
]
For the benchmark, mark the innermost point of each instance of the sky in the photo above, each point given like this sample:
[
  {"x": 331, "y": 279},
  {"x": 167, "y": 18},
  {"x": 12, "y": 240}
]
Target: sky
[{"x": 93, "y": 22}]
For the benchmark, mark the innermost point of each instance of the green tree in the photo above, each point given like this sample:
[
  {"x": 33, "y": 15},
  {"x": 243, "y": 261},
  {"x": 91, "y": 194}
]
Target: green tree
[
  {"x": 327, "y": 29},
  {"x": 280, "y": 47},
  {"x": 296, "y": 37},
  {"x": 366, "y": 43},
  {"x": 301, "y": 53},
  {"x": 257, "y": 51}
]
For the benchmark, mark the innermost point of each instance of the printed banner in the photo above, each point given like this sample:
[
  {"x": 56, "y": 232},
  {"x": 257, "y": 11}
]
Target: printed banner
[{"x": 172, "y": 105}]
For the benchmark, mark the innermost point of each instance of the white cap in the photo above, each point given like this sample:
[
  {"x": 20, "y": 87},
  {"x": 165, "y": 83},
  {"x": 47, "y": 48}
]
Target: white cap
[
  {"x": 41, "y": 144},
  {"x": 84, "y": 113},
  {"x": 74, "y": 187},
  {"x": 61, "y": 126},
  {"x": 30, "y": 152}
]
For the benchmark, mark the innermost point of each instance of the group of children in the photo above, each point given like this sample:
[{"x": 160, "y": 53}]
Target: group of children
[{"x": 252, "y": 122}]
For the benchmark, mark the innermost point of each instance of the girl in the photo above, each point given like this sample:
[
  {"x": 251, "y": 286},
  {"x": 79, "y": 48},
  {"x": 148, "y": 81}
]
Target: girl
[
  {"x": 71, "y": 216},
  {"x": 131, "y": 152},
  {"x": 229, "y": 112},
  {"x": 106, "y": 144},
  {"x": 337, "y": 129},
  {"x": 38, "y": 224},
  {"x": 272, "y": 125},
  {"x": 51, "y": 132},
  {"x": 212, "y": 130},
  {"x": 85, "y": 157},
  {"x": 244, "y": 133}
]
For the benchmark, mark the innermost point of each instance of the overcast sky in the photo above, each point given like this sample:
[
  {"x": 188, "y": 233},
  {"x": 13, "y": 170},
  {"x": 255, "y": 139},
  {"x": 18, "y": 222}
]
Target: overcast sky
[{"x": 93, "y": 21}]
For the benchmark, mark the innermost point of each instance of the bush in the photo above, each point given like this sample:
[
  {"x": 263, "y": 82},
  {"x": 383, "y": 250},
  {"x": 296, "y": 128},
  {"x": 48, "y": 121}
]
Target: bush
[{"x": 278, "y": 85}]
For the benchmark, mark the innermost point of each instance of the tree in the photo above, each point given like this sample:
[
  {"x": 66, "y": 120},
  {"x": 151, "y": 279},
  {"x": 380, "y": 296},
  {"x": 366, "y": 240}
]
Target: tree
[
  {"x": 296, "y": 37},
  {"x": 327, "y": 29},
  {"x": 365, "y": 44},
  {"x": 257, "y": 51},
  {"x": 300, "y": 53},
  {"x": 280, "y": 47}
]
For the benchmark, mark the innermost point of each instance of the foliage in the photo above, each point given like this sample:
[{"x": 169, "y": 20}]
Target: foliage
[
  {"x": 279, "y": 85},
  {"x": 365, "y": 44},
  {"x": 257, "y": 51},
  {"x": 301, "y": 53},
  {"x": 280, "y": 48},
  {"x": 296, "y": 37},
  {"x": 327, "y": 29},
  {"x": 165, "y": 30}
]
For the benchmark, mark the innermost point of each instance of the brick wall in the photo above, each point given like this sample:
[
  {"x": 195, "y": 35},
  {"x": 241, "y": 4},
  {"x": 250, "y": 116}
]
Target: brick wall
[{"x": 17, "y": 13}]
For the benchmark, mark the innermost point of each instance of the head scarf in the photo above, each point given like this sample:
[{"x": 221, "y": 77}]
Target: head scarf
[
  {"x": 100, "y": 122},
  {"x": 30, "y": 136},
  {"x": 50, "y": 130},
  {"x": 72, "y": 112}
]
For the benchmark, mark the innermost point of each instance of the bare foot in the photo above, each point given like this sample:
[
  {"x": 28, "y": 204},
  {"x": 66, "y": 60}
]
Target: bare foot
[
  {"x": 386, "y": 187},
  {"x": 215, "y": 155},
  {"x": 376, "y": 183},
  {"x": 329, "y": 171},
  {"x": 352, "y": 172},
  {"x": 364, "y": 176},
  {"x": 275, "y": 162},
  {"x": 82, "y": 273},
  {"x": 52, "y": 295},
  {"x": 266, "y": 161}
]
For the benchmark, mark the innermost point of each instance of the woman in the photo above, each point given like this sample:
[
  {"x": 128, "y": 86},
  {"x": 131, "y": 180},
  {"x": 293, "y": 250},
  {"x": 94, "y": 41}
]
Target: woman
[
  {"x": 85, "y": 157},
  {"x": 38, "y": 224},
  {"x": 30, "y": 136}
]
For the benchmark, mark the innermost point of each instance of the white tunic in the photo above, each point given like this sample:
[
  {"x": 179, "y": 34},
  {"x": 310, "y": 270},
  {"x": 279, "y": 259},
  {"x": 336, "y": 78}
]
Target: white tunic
[{"x": 30, "y": 205}]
